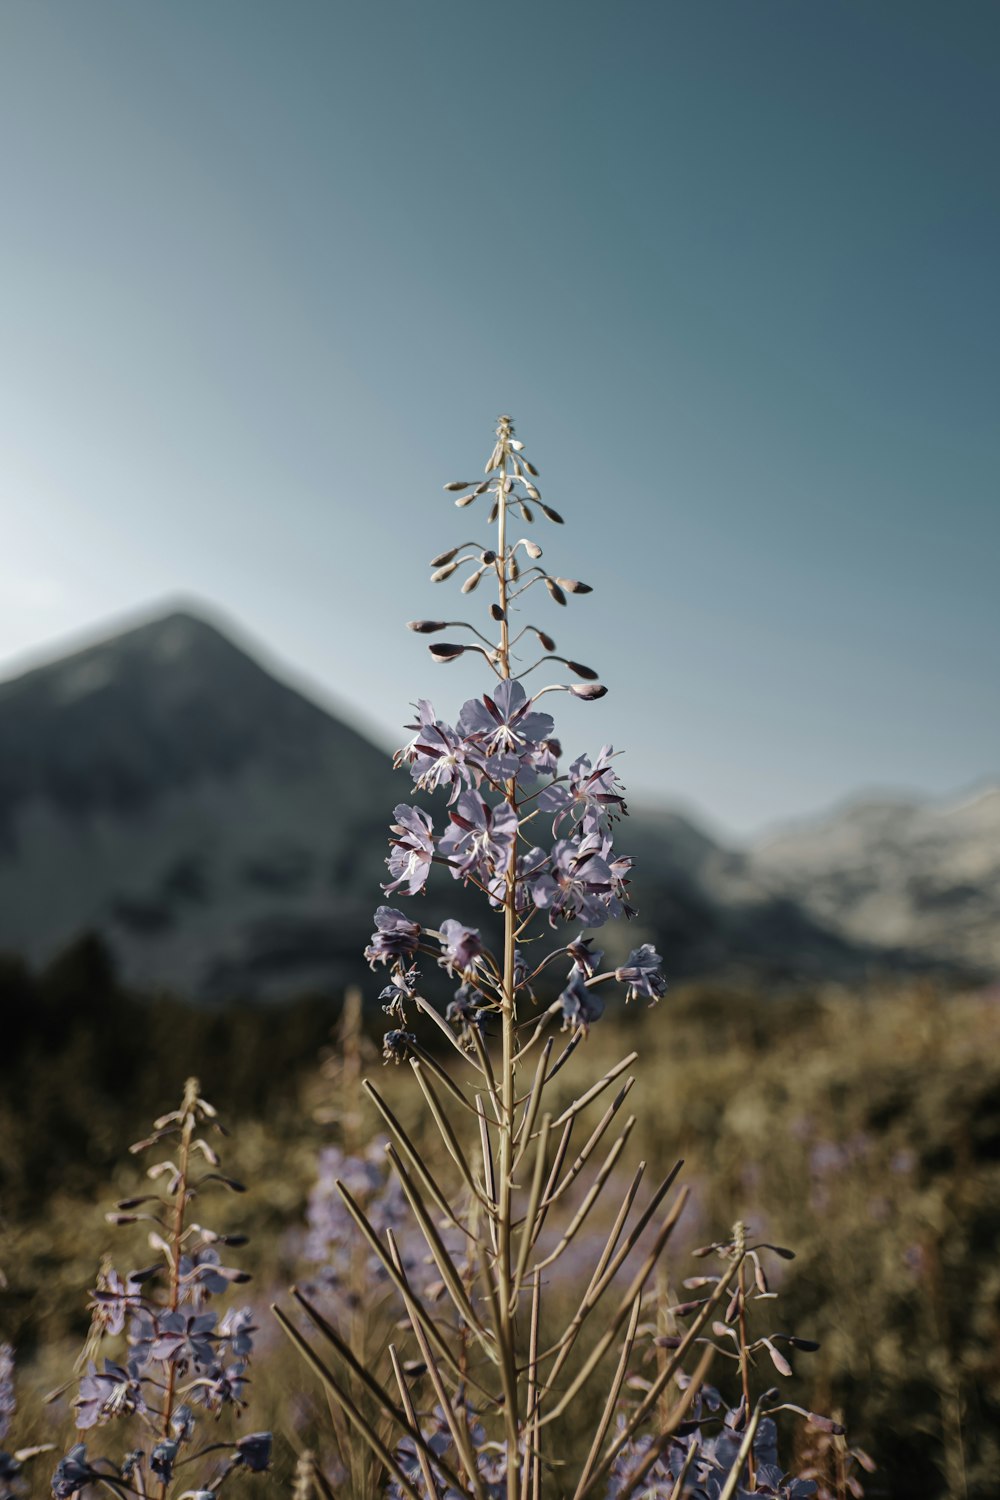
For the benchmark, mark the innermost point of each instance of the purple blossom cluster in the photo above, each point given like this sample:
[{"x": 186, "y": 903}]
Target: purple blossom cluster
[
  {"x": 499, "y": 768},
  {"x": 173, "y": 1359}
]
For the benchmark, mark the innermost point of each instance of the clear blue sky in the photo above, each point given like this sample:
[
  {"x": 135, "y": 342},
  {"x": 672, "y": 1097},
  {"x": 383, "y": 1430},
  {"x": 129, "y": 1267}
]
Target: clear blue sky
[{"x": 268, "y": 272}]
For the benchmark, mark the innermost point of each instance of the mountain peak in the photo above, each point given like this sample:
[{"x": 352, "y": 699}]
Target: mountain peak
[{"x": 164, "y": 703}]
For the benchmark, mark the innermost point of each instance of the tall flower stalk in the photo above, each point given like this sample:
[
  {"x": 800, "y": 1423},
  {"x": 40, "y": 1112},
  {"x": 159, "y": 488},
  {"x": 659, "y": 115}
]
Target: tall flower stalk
[
  {"x": 470, "y": 1396},
  {"x": 174, "y": 1365}
]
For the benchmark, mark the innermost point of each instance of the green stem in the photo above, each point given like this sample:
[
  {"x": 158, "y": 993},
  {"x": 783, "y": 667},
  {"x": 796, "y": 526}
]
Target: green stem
[
  {"x": 176, "y": 1243},
  {"x": 506, "y": 1328}
]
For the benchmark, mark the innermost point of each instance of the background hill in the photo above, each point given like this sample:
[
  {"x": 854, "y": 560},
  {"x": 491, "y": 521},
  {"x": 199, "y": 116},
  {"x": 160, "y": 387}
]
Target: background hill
[
  {"x": 899, "y": 874},
  {"x": 224, "y": 835}
]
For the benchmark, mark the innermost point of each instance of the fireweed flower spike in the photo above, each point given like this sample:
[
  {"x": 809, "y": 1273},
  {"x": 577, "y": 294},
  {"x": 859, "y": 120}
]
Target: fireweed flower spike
[
  {"x": 174, "y": 1362},
  {"x": 497, "y": 1367}
]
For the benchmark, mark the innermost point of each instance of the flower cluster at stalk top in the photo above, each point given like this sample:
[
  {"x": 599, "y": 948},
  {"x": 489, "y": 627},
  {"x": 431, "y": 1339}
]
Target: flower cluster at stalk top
[{"x": 536, "y": 840}]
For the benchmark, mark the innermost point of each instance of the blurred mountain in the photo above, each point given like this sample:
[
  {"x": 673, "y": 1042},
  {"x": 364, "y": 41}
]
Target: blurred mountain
[
  {"x": 899, "y": 874},
  {"x": 222, "y": 832},
  {"x": 225, "y": 836}
]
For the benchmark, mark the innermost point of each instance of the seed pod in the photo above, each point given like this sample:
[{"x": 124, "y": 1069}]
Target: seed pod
[
  {"x": 444, "y": 572},
  {"x": 825, "y": 1424},
  {"x": 460, "y": 484},
  {"x": 426, "y": 627},
  {"x": 581, "y": 671},
  {"x": 445, "y": 651},
  {"x": 555, "y": 591},
  {"x": 497, "y": 612},
  {"x": 574, "y": 586},
  {"x": 472, "y": 581},
  {"x": 588, "y": 690},
  {"x": 553, "y": 515},
  {"x": 443, "y": 557}
]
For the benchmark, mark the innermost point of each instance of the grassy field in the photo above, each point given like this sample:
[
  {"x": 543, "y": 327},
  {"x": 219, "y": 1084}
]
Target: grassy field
[{"x": 862, "y": 1130}]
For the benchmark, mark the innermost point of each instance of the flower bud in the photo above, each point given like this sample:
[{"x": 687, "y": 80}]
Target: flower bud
[
  {"x": 444, "y": 572},
  {"x": 547, "y": 511},
  {"x": 465, "y": 499},
  {"x": 472, "y": 581},
  {"x": 526, "y": 512},
  {"x": 574, "y": 586},
  {"x": 581, "y": 671},
  {"x": 546, "y": 640},
  {"x": 460, "y": 484},
  {"x": 497, "y": 612},
  {"x": 443, "y": 557},
  {"x": 426, "y": 627},
  {"x": 487, "y": 557},
  {"x": 445, "y": 651},
  {"x": 555, "y": 591},
  {"x": 587, "y": 690},
  {"x": 532, "y": 548}
]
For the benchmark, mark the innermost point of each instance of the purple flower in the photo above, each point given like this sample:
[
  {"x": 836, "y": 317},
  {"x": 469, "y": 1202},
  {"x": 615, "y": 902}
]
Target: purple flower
[
  {"x": 577, "y": 885},
  {"x": 438, "y": 756},
  {"x": 162, "y": 1459},
  {"x": 220, "y": 1387},
  {"x": 585, "y": 956},
  {"x": 480, "y": 839},
  {"x": 8, "y": 1403},
  {"x": 238, "y": 1328},
  {"x": 395, "y": 937},
  {"x": 401, "y": 987},
  {"x": 182, "y": 1422},
  {"x": 460, "y": 947},
  {"x": 396, "y": 1045},
  {"x": 465, "y": 1014},
  {"x": 412, "y": 850},
  {"x": 580, "y": 1006},
  {"x": 593, "y": 790},
  {"x": 112, "y": 1299},
  {"x": 202, "y": 1276},
  {"x": 544, "y": 760},
  {"x": 643, "y": 974},
  {"x": 254, "y": 1451},
  {"x": 185, "y": 1338},
  {"x": 528, "y": 866},
  {"x": 141, "y": 1338},
  {"x": 72, "y": 1473},
  {"x": 504, "y": 724},
  {"x": 112, "y": 1392}
]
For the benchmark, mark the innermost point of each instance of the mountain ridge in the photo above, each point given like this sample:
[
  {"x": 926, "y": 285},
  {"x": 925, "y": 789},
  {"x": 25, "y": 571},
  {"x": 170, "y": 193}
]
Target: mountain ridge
[{"x": 225, "y": 834}]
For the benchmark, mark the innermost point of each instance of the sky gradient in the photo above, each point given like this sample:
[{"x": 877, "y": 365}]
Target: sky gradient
[{"x": 268, "y": 272}]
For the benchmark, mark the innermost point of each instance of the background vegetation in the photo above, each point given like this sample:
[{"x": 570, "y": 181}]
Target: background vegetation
[{"x": 862, "y": 1129}]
